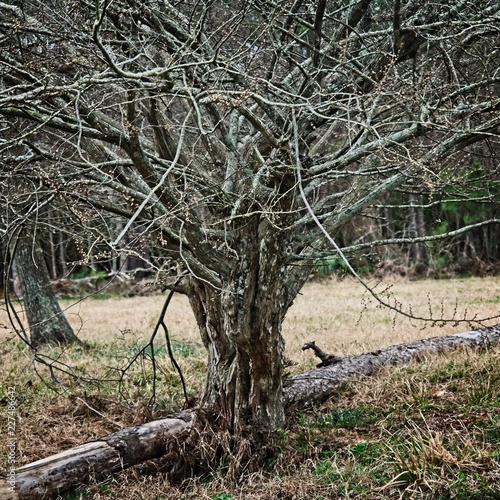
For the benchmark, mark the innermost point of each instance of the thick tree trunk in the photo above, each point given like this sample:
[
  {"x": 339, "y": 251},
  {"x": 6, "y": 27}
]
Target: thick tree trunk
[
  {"x": 47, "y": 322},
  {"x": 241, "y": 329},
  {"x": 133, "y": 445}
]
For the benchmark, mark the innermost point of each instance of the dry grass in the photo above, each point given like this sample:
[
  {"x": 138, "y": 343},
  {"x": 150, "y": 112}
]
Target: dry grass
[
  {"x": 413, "y": 431},
  {"x": 343, "y": 319},
  {"x": 338, "y": 314}
]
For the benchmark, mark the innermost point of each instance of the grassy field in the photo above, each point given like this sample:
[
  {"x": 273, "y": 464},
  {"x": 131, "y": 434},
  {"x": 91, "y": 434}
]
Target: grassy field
[{"x": 427, "y": 430}]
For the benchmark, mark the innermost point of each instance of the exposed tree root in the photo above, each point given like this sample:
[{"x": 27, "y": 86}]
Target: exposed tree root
[{"x": 208, "y": 446}]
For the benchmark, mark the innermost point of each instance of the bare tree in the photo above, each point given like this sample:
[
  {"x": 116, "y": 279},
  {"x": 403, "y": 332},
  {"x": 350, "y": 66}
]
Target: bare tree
[{"x": 243, "y": 136}]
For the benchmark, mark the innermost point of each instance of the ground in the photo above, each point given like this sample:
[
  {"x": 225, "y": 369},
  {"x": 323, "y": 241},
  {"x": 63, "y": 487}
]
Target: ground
[{"x": 427, "y": 430}]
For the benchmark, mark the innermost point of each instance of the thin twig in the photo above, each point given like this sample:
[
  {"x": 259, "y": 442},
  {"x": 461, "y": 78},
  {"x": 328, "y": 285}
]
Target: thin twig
[{"x": 161, "y": 322}]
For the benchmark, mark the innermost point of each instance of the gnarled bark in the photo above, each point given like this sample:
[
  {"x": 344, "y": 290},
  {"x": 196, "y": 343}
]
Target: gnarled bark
[
  {"x": 240, "y": 326},
  {"x": 133, "y": 445}
]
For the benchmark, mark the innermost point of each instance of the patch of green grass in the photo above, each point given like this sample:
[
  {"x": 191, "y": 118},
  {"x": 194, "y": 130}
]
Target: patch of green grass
[
  {"x": 367, "y": 453},
  {"x": 493, "y": 430},
  {"x": 484, "y": 390},
  {"x": 350, "y": 470},
  {"x": 179, "y": 349},
  {"x": 344, "y": 417},
  {"x": 185, "y": 349},
  {"x": 350, "y": 418},
  {"x": 418, "y": 394},
  {"x": 427, "y": 430},
  {"x": 469, "y": 486},
  {"x": 327, "y": 470}
]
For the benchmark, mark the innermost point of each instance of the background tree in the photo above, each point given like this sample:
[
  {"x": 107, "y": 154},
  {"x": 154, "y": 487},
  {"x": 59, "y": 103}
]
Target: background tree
[
  {"x": 47, "y": 323},
  {"x": 24, "y": 202},
  {"x": 243, "y": 137}
]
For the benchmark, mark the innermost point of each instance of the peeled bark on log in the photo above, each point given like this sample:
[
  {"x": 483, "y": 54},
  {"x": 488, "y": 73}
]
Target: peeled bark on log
[
  {"x": 320, "y": 384},
  {"x": 94, "y": 460},
  {"x": 133, "y": 445}
]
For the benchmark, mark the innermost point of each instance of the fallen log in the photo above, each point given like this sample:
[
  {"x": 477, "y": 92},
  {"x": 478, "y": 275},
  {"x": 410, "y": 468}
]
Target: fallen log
[
  {"x": 320, "y": 384},
  {"x": 92, "y": 461},
  {"x": 115, "y": 452}
]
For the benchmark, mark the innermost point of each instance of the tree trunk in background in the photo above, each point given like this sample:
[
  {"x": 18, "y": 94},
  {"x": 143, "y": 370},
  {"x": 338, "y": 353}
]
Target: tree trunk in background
[
  {"x": 47, "y": 322},
  {"x": 416, "y": 229},
  {"x": 53, "y": 259},
  {"x": 62, "y": 255}
]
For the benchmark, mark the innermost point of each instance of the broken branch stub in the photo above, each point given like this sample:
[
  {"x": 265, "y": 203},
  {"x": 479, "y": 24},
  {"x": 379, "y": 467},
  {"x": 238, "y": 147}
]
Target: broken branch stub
[{"x": 326, "y": 359}]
